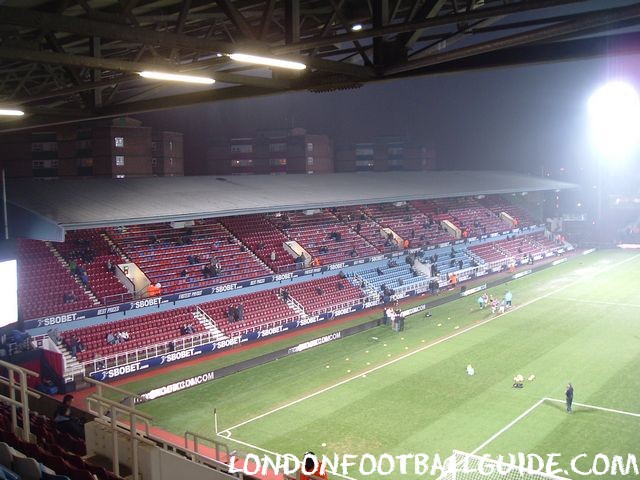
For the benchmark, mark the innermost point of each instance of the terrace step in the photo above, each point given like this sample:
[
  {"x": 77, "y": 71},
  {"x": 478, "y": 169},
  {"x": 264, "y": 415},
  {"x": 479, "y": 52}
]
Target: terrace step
[{"x": 209, "y": 324}]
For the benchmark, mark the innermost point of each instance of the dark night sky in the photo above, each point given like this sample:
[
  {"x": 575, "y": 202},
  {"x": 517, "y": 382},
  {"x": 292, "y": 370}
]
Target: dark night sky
[{"x": 512, "y": 118}]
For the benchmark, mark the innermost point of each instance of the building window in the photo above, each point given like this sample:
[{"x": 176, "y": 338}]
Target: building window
[
  {"x": 119, "y": 160},
  {"x": 277, "y": 147},
  {"x": 44, "y": 164},
  {"x": 44, "y": 147},
  {"x": 277, "y": 162},
  {"x": 244, "y": 162},
  {"x": 244, "y": 148},
  {"x": 118, "y": 141},
  {"x": 84, "y": 162},
  {"x": 309, "y": 160},
  {"x": 309, "y": 147}
]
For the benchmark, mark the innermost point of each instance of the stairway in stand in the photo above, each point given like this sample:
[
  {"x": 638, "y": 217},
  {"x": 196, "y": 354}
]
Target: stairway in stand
[{"x": 209, "y": 324}]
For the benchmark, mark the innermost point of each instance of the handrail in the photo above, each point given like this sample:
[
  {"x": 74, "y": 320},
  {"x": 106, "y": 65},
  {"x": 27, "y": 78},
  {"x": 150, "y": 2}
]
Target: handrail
[
  {"x": 21, "y": 387},
  {"x": 197, "y": 437}
]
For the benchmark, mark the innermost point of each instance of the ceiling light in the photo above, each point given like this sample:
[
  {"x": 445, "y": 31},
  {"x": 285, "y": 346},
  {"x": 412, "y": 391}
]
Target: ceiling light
[
  {"x": 11, "y": 112},
  {"x": 271, "y": 62},
  {"x": 173, "y": 77}
]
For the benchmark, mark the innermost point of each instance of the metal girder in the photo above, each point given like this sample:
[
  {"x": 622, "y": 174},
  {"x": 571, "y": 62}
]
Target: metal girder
[
  {"x": 581, "y": 22},
  {"x": 584, "y": 48},
  {"x": 266, "y": 19},
  {"x": 236, "y": 17},
  {"x": 291, "y": 21},
  {"x": 477, "y": 14},
  {"x": 133, "y": 67},
  {"x": 92, "y": 28},
  {"x": 429, "y": 9}
]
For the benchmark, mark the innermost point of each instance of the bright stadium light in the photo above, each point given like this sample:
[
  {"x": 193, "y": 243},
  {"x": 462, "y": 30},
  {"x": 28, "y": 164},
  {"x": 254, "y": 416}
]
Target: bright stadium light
[
  {"x": 268, "y": 61},
  {"x": 614, "y": 110},
  {"x": 9, "y": 112},
  {"x": 174, "y": 77}
]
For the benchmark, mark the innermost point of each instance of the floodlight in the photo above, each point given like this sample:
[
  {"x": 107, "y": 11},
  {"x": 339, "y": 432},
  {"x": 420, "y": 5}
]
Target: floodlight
[
  {"x": 11, "y": 112},
  {"x": 268, "y": 61},
  {"x": 356, "y": 28},
  {"x": 174, "y": 77},
  {"x": 614, "y": 110}
]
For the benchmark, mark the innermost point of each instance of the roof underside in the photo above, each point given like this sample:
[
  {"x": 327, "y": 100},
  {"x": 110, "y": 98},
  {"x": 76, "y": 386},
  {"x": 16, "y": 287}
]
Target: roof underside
[
  {"x": 66, "y": 61},
  {"x": 88, "y": 203}
]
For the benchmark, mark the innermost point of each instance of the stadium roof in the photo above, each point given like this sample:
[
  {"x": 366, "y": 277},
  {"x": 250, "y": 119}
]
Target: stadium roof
[
  {"x": 76, "y": 60},
  {"x": 73, "y": 204}
]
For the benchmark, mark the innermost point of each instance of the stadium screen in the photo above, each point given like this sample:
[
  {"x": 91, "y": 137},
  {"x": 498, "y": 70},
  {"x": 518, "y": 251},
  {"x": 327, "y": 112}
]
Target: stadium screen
[{"x": 8, "y": 292}]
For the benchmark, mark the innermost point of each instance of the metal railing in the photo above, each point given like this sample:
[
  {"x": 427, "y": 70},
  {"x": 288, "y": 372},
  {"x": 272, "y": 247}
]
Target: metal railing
[{"x": 21, "y": 388}]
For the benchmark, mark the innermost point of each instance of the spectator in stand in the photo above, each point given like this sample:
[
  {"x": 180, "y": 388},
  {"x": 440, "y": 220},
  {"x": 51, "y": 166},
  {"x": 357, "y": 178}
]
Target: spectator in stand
[
  {"x": 124, "y": 335},
  {"x": 460, "y": 264},
  {"x": 110, "y": 266},
  {"x": 84, "y": 278},
  {"x": 73, "y": 266},
  {"x": 231, "y": 314},
  {"x": 74, "y": 345},
  {"x": 68, "y": 297},
  {"x": 240, "y": 311},
  {"x": 273, "y": 256},
  {"x": 340, "y": 286},
  {"x": 405, "y": 244},
  {"x": 316, "y": 262},
  {"x": 358, "y": 228},
  {"x": 183, "y": 273},
  {"x": 319, "y": 291},
  {"x": 379, "y": 271},
  {"x": 64, "y": 419}
]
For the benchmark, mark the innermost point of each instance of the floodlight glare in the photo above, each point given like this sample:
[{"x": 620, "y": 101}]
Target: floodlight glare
[
  {"x": 268, "y": 61},
  {"x": 615, "y": 120},
  {"x": 356, "y": 28},
  {"x": 174, "y": 77},
  {"x": 11, "y": 112}
]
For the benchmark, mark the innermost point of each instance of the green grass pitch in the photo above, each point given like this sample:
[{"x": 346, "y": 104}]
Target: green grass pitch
[{"x": 577, "y": 322}]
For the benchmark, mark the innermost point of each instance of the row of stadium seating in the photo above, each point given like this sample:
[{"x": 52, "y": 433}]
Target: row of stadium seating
[
  {"x": 58, "y": 451},
  {"x": 102, "y": 282},
  {"x": 163, "y": 252},
  {"x": 144, "y": 330},
  {"x": 313, "y": 233},
  {"x": 519, "y": 247},
  {"x": 325, "y": 294},
  {"x": 43, "y": 282}
]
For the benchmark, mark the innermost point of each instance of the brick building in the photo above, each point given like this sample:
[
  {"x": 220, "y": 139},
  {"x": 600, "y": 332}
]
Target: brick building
[
  {"x": 272, "y": 152},
  {"x": 119, "y": 148},
  {"x": 384, "y": 154}
]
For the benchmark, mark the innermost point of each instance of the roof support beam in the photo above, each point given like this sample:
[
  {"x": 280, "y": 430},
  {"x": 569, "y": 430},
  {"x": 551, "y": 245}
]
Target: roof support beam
[
  {"x": 125, "y": 66},
  {"x": 477, "y": 14},
  {"x": 581, "y": 22},
  {"x": 236, "y": 18}
]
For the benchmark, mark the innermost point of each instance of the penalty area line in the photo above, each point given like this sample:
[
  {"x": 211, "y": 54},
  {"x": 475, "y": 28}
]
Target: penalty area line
[
  {"x": 509, "y": 425},
  {"x": 433, "y": 344},
  {"x": 595, "y": 407}
]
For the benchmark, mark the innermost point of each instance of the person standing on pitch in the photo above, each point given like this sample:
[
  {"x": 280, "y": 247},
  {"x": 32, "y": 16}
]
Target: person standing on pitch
[{"x": 569, "y": 395}]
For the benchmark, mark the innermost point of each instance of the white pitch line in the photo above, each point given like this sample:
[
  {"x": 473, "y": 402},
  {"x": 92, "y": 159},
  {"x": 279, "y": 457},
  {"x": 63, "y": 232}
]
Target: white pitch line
[
  {"x": 509, "y": 425},
  {"x": 596, "y": 302},
  {"x": 275, "y": 454},
  {"x": 595, "y": 407},
  {"x": 430, "y": 345}
]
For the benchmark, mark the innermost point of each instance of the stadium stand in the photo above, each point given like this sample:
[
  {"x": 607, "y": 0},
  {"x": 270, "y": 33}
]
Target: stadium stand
[
  {"x": 261, "y": 236},
  {"x": 314, "y": 233},
  {"x": 363, "y": 226},
  {"x": 325, "y": 294},
  {"x": 518, "y": 248},
  {"x": 161, "y": 327},
  {"x": 89, "y": 250},
  {"x": 163, "y": 252},
  {"x": 263, "y": 309},
  {"x": 44, "y": 282},
  {"x": 498, "y": 204},
  {"x": 467, "y": 214},
  {"x": 409, "y": 223}
]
